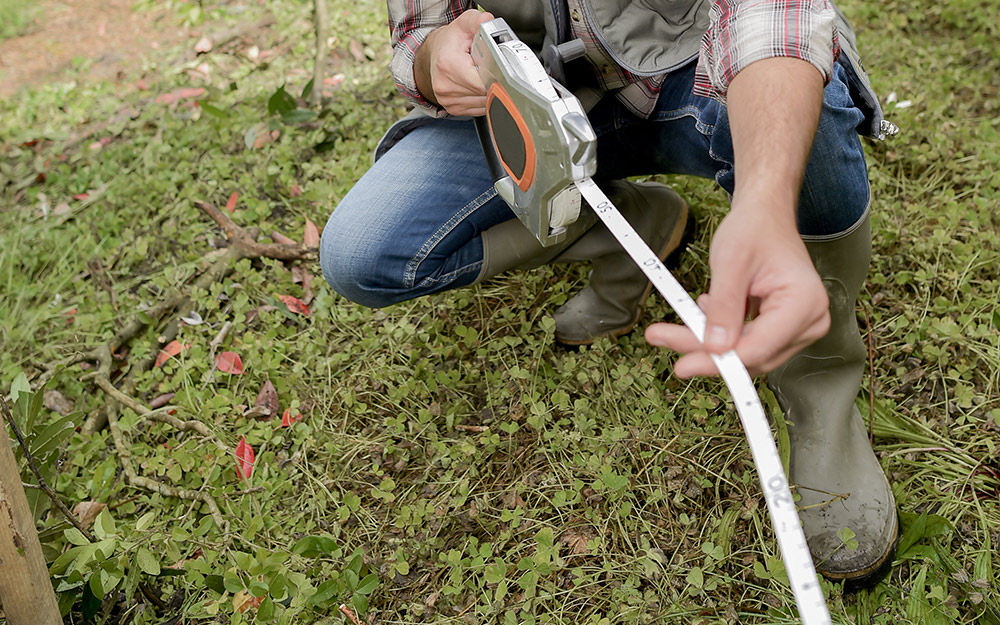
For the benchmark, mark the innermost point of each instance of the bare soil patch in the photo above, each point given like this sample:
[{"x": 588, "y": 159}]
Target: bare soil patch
[{"x": 67, "y": 34}]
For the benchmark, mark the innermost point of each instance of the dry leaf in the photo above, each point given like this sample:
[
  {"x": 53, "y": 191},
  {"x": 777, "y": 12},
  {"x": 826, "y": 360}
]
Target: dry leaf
[
  {"x": 243, "y": 601},
  {"x": 267, "y": 399},
  {"x": 170, "y": 349},
  {"x": 311, "y": 235},
  {"x": 194, "y": 319},
  {"x": 229, "y": 362},
  {"x": 204, "y": 45},
  {"x": 55, "y": 401},
  {"x": 87, "y": 511},
  {"x": 575, "y": 541},
  {"x": 295, "y": 305},
  {"x": 244, "y": 459},
  {"x": 357, "y": 51},
  {"x": 301, "y": 276},
  {"x": 180, "y": 94},
  {"x": 287, "y": 418},
  {"x": 231, "y": 203},
  {"x": 295, "y": 190},
  {"x": 262, "y": 139}
]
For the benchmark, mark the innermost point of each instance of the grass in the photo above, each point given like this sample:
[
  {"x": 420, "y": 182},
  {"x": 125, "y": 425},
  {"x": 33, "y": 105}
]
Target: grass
[
  {"x": 16, "y": 17},
  {"x": 452, "y": 466}
]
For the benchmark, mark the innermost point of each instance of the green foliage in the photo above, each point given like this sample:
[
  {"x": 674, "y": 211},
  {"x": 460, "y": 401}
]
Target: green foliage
[
  {"x": 451, "y": 464},
  {"x": 44, "y": 435},
  {"x": 16, "y": 17}
]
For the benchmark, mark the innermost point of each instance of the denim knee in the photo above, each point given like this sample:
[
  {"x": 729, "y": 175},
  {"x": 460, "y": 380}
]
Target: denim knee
[{"x": 343, "y": 258}]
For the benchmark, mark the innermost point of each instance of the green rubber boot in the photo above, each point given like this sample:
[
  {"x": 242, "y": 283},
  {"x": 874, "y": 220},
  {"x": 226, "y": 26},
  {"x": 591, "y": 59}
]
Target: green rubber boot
[
  {"x": 832, "y": 466},
  {"x": 611, "y": 304}
]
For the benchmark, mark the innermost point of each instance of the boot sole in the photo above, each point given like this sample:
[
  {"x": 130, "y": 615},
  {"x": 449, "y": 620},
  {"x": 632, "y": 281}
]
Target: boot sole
[
  {"x": 669, "y": 255},
  {"x": 870, "y": 576}
]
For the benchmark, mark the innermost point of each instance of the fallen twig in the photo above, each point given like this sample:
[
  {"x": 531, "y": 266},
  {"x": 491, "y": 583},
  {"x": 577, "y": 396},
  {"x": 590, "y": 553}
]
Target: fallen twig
[
  {"x": 350, "y": 615},
  {"x": 248, "y": 247}
]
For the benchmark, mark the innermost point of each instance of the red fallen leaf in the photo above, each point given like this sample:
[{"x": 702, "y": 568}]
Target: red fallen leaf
[
  {"x": 170, "y": 349},
  {"x": 295, "y": 191},
  {"x": 244, "y": 459},
  {"x": 295, "y": 305},
  {"x": 267, "y": 398},
  {"x": 180, "y": 94},
  {"x": 277, "y": 237},
  {"x": 231, "y": 204},
  {"x": 287, "y": 418},
  {"x": 311, "y": 236},
  {"x": 142, "y": 85},
  {"x": 28, "y": 144},
  {"x": 229, "y": 362},
  {"x": 81, "y": 196}
]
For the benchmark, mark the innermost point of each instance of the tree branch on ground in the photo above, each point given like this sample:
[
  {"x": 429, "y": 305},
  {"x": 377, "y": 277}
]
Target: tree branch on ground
[{"x": 178, "y": 304}]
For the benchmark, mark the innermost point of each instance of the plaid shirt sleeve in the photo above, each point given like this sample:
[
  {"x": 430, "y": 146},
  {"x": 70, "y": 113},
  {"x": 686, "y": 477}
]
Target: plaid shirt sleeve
[
  {"x": 744, "y": 31},
  {"x": 410, "y": 21}
]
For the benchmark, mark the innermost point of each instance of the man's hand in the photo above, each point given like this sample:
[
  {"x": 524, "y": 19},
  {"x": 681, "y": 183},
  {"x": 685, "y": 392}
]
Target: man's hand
[
  {"x": 444, "y": 70},
  {"x": 760, "y": 267},
  {"x": 757, "y": 270}
]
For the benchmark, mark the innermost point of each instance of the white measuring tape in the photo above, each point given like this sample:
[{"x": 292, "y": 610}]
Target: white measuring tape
[{"x": 787, "y": 528}]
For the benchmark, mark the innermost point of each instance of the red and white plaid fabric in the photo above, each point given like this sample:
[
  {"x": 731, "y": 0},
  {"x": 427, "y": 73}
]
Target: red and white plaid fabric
[
  {"x": 744, "y": 31},
  {"x": 741, "y": 32}
]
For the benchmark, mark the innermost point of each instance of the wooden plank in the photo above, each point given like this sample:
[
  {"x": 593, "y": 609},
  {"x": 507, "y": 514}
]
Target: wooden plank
[{"x": 25, "y": 588}]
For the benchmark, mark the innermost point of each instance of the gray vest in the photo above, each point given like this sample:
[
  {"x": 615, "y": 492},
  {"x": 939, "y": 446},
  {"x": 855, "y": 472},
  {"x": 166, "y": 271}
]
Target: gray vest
[{"x": 633, "y": 32}]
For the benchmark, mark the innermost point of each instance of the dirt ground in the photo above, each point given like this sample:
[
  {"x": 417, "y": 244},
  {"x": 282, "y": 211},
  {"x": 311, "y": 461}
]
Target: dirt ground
[{"x": 66, "y": 33}]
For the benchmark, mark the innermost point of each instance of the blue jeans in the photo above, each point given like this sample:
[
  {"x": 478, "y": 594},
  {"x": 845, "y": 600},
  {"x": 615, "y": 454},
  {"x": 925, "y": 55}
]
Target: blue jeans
[{"x": 411, "y": 226}]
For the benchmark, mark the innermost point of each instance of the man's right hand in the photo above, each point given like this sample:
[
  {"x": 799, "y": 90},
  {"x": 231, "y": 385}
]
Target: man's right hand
[{"x": 444, "y": 70}]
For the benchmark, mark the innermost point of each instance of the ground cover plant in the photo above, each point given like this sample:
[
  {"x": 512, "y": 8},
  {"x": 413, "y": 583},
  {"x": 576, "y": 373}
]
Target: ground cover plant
[{"x": 242, "y": 445}]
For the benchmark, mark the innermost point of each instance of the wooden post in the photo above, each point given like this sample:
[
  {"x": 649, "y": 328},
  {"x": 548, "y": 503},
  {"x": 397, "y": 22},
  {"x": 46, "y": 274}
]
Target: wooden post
[
  {"x": 322, "y": 18},
  {"x": 25, "y": 588}
]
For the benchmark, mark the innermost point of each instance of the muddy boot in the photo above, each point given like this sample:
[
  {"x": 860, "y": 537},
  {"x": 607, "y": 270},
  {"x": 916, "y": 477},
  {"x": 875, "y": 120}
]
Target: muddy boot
[
  {"x": 611, "y": 304},
  {"x": 832, "y": 466}
]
